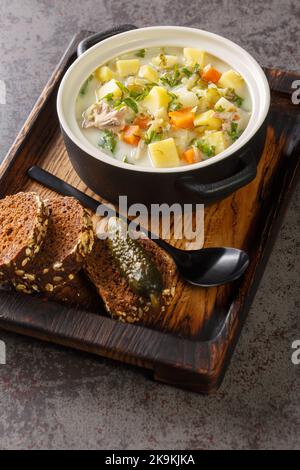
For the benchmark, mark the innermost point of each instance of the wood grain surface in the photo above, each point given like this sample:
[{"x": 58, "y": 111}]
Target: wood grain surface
[{"x": 190, "y": 344}]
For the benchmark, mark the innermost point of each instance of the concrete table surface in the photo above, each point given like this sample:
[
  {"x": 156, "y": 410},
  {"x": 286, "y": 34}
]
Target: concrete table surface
[{"x": 52, "y": 397}]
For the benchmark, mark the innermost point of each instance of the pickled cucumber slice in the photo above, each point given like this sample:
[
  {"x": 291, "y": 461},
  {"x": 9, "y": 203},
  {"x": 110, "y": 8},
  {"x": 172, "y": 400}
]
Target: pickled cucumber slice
[{"x": 133, "y": 262}]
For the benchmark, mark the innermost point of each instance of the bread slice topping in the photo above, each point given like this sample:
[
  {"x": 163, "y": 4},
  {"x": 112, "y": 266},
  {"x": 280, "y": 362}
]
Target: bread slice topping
[{"x": 119, "y": 298}]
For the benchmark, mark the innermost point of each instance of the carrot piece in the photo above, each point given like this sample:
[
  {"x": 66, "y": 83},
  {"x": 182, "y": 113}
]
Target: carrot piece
[
  {"x": 142, "y": 122},
  {"x": 131, "y": 135},
  {"x": 210, "y": 74},
  {"x": 183, "y": 118},
  {"x": 189, "y": 155}
]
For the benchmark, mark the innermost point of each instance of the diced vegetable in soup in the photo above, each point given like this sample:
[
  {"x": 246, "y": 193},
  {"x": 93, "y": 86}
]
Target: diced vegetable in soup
[{"x": 163, "y": 107}]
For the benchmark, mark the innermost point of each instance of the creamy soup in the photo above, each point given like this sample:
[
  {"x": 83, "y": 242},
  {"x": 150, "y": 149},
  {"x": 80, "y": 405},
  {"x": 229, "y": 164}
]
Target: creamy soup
[{"x": 163, "y": 107}]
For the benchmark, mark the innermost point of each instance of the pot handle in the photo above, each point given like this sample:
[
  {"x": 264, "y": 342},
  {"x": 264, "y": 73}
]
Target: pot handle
[
  {"x": 219, "y": 189},
  {"x": 90, "y": 41}
]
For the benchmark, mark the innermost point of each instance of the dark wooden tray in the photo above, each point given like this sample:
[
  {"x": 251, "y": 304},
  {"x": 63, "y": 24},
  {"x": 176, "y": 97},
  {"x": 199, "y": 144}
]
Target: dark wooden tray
[{"x": 189, "y": 345}]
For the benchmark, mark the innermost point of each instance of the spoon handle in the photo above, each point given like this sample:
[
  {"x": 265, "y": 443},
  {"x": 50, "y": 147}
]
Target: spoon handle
[
  {"x": 56, "y": 184},
  {"x": 53, "y": 182}
]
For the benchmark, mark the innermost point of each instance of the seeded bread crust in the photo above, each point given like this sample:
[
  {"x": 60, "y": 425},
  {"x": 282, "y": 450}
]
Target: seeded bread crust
[
  {"x": 120, "y": 301},
  {"x": 69, "y": 240},
  {"x": 23, "y": 227}
]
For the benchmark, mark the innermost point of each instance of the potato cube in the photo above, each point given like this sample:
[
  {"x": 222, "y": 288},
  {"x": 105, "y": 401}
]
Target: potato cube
[
  {"x": 208, "y": 120},
  {"x": 212, "y": 95},
  {"x": 156, "y": 99},
  {"x": 186, "y": 98},
  {"x": 224, "y": 105},
  {"x": 164, "y": 153},
  {"x": 194, "y": 56},
  {"x": 216, "y": 139},
  {"x": 104, "y": 74},
  {"x": 127, "y": 67},
  {"x": 165, "y": 61},
  {"x": 109, "y": 87},
  {"x": 232, "y": 79},
  {"x": 149, "y": 73}
]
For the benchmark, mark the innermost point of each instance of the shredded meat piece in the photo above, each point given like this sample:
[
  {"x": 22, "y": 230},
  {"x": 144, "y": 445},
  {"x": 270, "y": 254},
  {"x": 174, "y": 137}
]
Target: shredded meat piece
[
  {"x": 140, "y": 150},
  {"x": 227, "y": 118},
  {"x": 102, "y": 116}
]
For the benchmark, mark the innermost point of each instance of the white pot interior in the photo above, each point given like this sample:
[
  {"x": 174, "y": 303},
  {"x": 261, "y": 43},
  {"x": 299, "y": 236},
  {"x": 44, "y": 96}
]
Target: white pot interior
[{"x": 159, "y": 36}]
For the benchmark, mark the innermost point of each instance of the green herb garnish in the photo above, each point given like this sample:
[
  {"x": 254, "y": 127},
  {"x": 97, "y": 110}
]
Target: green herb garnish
[
  {"x": 140, "y": 95},
  {"x": 188, "y": 73},
  {"x": 232, "y": 96},
  {"x": 109, "y": 97},
  {"x": 131, "y": 104},
  {"x": 234, "y": 134},
  {"x": 220, "y": 109},
  {"x": 107, "y": 141},
  {"x": 152, "y": 137},
  {"x": 172, "y": 78},
  {"x": 174, "y": 104},
  {"x": 122, "y": 87},
  {"x": 84, "y": 87},
  {"x": 125, "y": 159},
  {"x": 238, "y": 101},
  {"x": 141, "y": 53},
  {"x": 207, "y": 150}
]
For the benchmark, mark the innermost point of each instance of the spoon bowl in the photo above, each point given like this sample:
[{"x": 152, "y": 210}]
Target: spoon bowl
[{"x": 210, "y": 267}]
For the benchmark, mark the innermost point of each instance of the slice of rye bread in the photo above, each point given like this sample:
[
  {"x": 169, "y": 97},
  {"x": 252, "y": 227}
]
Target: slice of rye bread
[
  {"x": 120, "y": 301},
  {"x": 23, "y": 226},
  {"x": 79, "y": 293},
  {"x": 70, "y": 238}
]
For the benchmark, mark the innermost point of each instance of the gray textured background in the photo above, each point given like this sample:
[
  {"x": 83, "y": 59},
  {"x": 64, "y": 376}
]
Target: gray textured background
[{"x": 51, "y": 397}]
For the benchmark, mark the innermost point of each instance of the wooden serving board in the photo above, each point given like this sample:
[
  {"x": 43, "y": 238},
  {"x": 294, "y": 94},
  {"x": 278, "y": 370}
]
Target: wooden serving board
[{"x": 189, "y": 345}]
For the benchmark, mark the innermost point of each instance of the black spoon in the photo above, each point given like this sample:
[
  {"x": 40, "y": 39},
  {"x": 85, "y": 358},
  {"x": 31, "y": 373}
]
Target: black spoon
[{"x": 206, "y": 267}]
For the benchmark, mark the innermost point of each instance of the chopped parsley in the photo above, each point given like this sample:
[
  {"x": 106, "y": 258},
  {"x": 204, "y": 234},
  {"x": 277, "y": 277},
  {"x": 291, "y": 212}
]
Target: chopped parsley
[
  {"x": 107, "y": 141},
  {"x": 141, "y": 53},
  {"x": 238, "y": 101},
  {"x": 171, "y": 79},
  {"x": 188, "y": 73},
  {"x": 174, "y": 104},
  {"x": 162, "y": 59},
  {"x": 207, "y": 150},
  {"x": 84, "y": 87},
  {"x": 232, "y": 96},
  {"x": 109, "y": 97},
  {"x": 140, "y": 95},
  {"x": 152, "y": 137},
  {"x": 234, "y": 133},
  {"x": 220, "y": 109},
  {"x": 131, "y": 104},
  {"x": 120, "y": 102},
  {"x": 125, "y": 159},
  {"x": 122, "y": 87}
]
